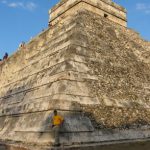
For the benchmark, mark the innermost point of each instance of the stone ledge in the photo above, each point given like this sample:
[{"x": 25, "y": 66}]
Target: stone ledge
[
  {"x": 62, "y": 2},
  {"x": 108, "y": 144}
]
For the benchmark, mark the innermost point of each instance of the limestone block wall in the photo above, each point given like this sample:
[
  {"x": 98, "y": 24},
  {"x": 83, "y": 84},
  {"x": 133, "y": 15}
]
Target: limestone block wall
[
  {"x": 119, "y": 57},
  {"x": 118, "y": 61},
  {"x": 83, "y": 65},
  {"x": 45, "y": 75}
]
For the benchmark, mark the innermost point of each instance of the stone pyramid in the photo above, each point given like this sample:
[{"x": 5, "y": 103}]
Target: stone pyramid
[{"x": 91, "y": 68}]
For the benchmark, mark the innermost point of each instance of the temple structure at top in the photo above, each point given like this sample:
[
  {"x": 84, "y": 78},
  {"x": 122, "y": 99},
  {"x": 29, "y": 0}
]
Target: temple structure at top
[{"x": 105, "y": 8}]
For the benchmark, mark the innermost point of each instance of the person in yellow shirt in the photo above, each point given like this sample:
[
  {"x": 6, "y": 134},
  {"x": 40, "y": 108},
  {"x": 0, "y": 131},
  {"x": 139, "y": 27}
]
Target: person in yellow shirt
[{"x": 57, "y": 121}]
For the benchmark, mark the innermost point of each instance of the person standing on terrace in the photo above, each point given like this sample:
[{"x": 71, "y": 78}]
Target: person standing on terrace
[{"x": 57, "y": 122}]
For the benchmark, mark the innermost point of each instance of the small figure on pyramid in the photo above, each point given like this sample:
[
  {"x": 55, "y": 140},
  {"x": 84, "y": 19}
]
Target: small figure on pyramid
[
  {"x": 1, "y": 61},
  {"x": 5, "y": 56},
  {"x": 22, "y": 45}
]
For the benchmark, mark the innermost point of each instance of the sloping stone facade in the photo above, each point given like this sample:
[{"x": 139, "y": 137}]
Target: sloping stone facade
[{"x": 95, "y": 71}]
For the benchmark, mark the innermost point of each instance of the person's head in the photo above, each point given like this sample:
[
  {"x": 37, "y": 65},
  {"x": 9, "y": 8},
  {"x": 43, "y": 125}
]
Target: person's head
[
  {"x": 0, "y": 59},
  {"x": 6, "y": 54},
  {"x": 55, "y": 112}
]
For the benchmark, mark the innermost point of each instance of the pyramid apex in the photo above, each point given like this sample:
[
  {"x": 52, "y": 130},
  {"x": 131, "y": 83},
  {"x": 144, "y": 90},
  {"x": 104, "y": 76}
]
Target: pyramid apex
[{"x": 105, "y": 8}]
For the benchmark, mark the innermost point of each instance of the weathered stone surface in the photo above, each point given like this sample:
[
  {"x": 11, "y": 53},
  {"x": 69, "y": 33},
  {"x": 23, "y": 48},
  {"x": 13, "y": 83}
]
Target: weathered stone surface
[
  {"x": 65, "y": 8},
  {"x": 94, "y": 71},
  {"x": 114, "y": 117}
]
